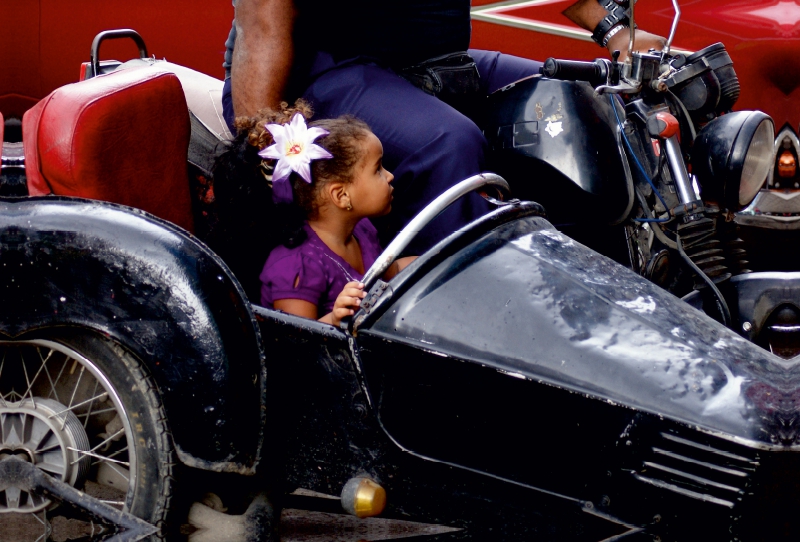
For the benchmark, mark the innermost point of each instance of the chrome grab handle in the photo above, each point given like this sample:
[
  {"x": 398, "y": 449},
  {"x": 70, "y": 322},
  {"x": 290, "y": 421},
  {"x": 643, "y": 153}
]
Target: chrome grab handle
[{"x": 431, "y": 211}]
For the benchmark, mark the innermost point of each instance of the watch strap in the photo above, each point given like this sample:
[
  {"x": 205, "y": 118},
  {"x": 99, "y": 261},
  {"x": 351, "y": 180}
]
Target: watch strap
[
  {"x": 617, "y": 15},
  {"x": 613, "y": 32}
]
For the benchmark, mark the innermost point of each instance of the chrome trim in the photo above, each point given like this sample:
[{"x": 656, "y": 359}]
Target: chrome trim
[
  {"x": 486, "y": 14},
  {"x": 431, "y": 211}
]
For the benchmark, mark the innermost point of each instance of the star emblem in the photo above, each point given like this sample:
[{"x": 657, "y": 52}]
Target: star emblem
[{"x": 554, "y": 128}]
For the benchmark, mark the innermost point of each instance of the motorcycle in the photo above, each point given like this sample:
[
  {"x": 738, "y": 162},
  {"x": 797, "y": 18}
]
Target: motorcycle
[
  {"x": 614, "y": 174},
  {"x": 589, "y": 399}
]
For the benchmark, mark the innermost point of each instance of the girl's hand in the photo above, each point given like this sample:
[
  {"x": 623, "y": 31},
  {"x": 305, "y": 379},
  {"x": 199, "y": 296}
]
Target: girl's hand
[{"x": 347, "y": 302}]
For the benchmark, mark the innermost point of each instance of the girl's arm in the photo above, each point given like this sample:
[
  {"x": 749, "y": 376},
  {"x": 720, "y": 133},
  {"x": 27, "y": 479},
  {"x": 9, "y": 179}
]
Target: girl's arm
[
  {"x": 298, "y": 307},
  {"x": 346, "y": 304},
  {"x": 397, "y": 266}
]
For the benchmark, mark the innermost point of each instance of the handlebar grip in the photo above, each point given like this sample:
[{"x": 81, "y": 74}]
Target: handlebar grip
[{"x": 574, "y": 70}]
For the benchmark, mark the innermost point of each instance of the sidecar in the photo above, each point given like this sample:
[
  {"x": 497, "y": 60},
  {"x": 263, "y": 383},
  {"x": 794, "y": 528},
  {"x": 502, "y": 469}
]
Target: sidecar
[{"x": 509, "y": 383}]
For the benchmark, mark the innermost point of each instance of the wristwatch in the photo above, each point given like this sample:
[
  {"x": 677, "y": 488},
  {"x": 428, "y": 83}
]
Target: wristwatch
[
  {"x": 617, "y": 16},
  {"x": 613, "y": 32}
]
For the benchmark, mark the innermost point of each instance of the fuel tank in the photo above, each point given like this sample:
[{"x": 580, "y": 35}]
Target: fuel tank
[{"x": 556, "y": 143}]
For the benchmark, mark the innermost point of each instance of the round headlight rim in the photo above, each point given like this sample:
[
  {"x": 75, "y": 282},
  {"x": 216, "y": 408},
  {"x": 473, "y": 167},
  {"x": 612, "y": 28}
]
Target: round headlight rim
[
  {"x": 719, "y": 152},
  {"x": 768, "y": 144}
]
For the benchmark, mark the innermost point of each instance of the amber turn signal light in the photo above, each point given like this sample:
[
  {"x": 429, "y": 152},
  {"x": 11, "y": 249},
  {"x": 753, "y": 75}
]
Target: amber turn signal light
[{"x": 787, "y": 165}]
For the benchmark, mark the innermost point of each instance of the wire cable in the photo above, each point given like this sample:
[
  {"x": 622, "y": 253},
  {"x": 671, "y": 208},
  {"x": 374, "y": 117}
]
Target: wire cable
[
  {"x": 722, "y": 306},
  {"x": 639, "y": 165}
]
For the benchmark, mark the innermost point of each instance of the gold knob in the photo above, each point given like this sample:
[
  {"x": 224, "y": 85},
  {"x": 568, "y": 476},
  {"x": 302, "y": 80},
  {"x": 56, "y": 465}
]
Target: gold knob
[{"x": 363, "y": 497}]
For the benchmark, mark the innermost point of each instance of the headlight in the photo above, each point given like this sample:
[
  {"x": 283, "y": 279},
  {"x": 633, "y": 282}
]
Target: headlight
[{"x": 732, "y": 157}]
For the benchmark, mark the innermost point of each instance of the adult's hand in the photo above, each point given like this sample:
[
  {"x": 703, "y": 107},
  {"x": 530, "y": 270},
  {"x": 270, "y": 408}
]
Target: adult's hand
[
  {"x": 644, "y": 42},
  {"x": 588, "y": 13},
  {"x": 263, "y": 55}
]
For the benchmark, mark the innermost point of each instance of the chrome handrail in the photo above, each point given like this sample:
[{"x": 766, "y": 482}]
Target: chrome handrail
[{"x": 431, "y": 211}]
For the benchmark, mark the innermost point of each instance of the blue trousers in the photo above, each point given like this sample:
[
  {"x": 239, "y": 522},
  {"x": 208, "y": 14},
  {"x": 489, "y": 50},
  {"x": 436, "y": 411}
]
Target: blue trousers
[{"x": 427, "y": 145}]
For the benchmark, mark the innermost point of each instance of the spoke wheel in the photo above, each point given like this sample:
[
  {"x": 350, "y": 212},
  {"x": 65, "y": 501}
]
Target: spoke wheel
[{"x": 83, "y": 410}]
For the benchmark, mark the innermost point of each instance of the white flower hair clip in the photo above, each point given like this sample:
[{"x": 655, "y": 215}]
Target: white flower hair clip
[{"x": 294, "y": 149}]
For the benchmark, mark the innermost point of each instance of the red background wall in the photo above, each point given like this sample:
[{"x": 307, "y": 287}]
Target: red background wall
[
  {"x": 761, "y": 36},
  {"x": 43, "y": 42}
]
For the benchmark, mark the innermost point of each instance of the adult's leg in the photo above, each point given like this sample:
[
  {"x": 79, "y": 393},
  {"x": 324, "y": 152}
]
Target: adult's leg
[
  {"x": 428, "y": 145},
  {"x": 498, "y": 70},
  {"x": 227, "y": 105}
]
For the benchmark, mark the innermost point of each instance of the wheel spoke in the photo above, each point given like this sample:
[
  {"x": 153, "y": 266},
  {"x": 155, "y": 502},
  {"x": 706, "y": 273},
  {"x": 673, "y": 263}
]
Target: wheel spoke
[
  {"x": 58, "y": 378},
  {"x": 47, "y": 448},
  {"x": 100, "y": 397},
  {"x": 46, "y": 386},
  {"x": 28, "y": 382},
  {"x": 89, "y": 412},
  {"x": 97, "y": 456},
  {"x": 125, "y": 449},
  {"x": 38, "y": 372},
  {"x": 43, "y": 521},
  {"x": 109, "y": 439},
  {"x": 53, "y": 392},
  {"x": 74, "y": 391},
  {"x": 97, "y": 412},
  {"x": 125, "y": 473}
]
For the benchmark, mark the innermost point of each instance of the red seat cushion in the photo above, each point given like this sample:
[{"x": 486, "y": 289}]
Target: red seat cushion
[{"x": 121, "y": 137}]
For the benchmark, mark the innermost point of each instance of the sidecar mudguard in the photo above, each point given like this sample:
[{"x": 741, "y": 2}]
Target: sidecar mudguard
[{"x": 157, "y": 291}]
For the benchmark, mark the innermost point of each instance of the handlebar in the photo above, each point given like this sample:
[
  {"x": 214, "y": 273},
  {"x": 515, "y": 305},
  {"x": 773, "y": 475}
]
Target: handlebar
[{"x": 573, "y": 70}]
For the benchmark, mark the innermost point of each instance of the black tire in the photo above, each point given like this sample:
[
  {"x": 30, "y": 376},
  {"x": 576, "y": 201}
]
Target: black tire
[{"x": 137, "y": 404}]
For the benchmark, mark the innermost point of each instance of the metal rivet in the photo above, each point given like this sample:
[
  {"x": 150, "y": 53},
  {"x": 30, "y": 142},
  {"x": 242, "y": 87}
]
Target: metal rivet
[{"x": 747, "y": 326}]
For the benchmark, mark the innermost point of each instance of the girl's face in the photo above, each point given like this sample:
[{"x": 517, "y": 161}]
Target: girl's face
[{"x": 370, "y": 191}]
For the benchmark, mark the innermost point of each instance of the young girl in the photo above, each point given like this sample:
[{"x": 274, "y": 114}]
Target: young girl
[{"x": 327, "y": 180}]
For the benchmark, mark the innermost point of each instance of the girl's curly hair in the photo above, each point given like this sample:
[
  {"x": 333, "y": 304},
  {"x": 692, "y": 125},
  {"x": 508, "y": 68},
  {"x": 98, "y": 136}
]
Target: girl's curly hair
[{"x": 250, "y": 225}]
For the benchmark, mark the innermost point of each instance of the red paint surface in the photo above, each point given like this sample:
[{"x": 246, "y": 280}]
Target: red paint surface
[
  {"x": 43, "y": 42},
  {"x": 762, "y": 37}
]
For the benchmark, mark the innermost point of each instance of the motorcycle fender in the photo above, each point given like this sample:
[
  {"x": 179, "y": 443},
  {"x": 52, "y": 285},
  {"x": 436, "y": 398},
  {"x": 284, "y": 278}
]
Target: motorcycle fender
[{"x": 154, "y": 289}]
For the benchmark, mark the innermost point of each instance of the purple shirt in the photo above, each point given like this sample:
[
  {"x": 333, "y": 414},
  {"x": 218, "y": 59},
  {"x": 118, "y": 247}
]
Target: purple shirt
[{"x": 320, "y": 273}]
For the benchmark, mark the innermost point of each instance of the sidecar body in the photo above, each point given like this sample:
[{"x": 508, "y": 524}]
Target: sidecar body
[{"x": 510, "y": 382}]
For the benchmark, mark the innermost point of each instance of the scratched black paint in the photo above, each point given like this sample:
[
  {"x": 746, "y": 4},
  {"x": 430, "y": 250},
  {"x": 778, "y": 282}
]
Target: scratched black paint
[
  {"x": 551, "y": 309},
  {"x": 528, "y": 357},
  {"x": 157, "y": 291},
  {"x": 550, "y": 403}
]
